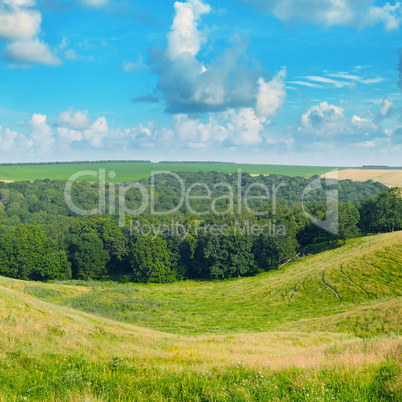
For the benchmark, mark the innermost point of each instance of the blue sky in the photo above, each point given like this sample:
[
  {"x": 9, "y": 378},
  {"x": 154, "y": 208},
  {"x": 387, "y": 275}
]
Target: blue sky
[{"x": 315, "y": 82}]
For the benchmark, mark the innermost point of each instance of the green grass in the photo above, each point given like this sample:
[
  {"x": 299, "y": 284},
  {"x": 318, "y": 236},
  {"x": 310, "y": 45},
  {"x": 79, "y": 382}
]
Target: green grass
[
  {"x": 356, "y": 288},
  {"x": 284, "y": 335},
  {"x": 128, "y": 172}
]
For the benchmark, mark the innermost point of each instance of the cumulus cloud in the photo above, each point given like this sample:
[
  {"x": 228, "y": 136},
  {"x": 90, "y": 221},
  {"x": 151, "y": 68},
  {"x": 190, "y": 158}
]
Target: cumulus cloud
[
  {"x": 192, "y": 132},
  {"x": 77, "y": 120},
  {"x": 329, "y": 126},
  {"x": 231, "y": 128},
  {"x": 387, "y": 108},
  {"x": 67, "y": 136},
  {"x": 245, "y": 127},
  {"x": 7, "y": 139},
  {"x": 184, "y": 36},
  {"x": 20, "y": 25},
  {"x": 33, "y": 51},
  {"x": 96, "y": 133},
  {"x": 18, "y": 20},
  {"x": 76, "y": 126},
  {"x": 363, "y": 126},
  {"x": 241, "y": 127},
  {"x": 328, "y": 13},
  {"x": 323, "y": 120},
  {"x": 41, "y": 134},
  {"x": 191, "y": 86},
  {"x": 271, "y": 95}
]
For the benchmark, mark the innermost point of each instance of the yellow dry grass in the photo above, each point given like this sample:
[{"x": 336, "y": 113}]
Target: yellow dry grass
[
  {"x": 37, "y": 323},
  {"x": 390, "y": 178},
  {"x": 49, "y": 328}
]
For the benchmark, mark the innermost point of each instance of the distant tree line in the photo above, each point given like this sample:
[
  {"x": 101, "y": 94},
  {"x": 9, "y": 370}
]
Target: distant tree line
[{"x": 71, "y": 163}]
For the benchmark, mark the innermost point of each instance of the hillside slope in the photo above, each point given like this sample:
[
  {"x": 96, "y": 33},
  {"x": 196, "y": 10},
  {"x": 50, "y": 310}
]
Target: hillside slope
[
  {"x": 50, "y": 352},
  {"x": 356, "y": 288},
  {"x": 53, "y": 352},
  {"x": 331, "y": 291}
]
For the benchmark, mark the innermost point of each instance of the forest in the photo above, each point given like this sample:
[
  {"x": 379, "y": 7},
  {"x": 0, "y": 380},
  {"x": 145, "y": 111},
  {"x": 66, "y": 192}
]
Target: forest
[{"x": 42, "y": 239}]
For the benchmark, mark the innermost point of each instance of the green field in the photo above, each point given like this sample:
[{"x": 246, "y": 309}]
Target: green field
[
  {"x": 133, "y": 171},
  {"x": 325, "y": 328}
]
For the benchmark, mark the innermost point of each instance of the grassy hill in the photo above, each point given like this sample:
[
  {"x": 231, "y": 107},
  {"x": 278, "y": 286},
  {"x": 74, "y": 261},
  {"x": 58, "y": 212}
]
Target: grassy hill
[
  {"x": 330, "y": 291},
  {"x": 322, "y": 328},
  {"x": 130, "y": 171}
]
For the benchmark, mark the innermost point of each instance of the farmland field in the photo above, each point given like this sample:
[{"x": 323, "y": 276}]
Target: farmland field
[
  {"x": 132, "y": 171},
  {"x": 388, "y": 177}
]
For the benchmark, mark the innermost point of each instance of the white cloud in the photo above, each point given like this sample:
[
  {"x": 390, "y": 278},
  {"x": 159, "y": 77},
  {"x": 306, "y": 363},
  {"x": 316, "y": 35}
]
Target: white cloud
[
  {"x": 363, "y": 126},
  {"x": 305, "y": 84},
  {"x": 377, "y": 80},
  {"x": 18, "y": 21},
  {"x": 345, "y": 76},
  {"x": 327, "y": 127},
  {"x": 96, "y": 133},
  {"x": 76, "y": 126},
  {"x": 323, "y": 119},
  {"x": 20, "y": 25},
  {"x": 68, "y": 136},
  {"x": 271, "y": 95},
  {"x": 7, "y": 139},
  {"x": 390, "y": 15},
  {"x": 322, "y": 128},
  {"x": 349, "y": 80},
  {"x": 227, "y": 82},
  {"x": 328, "y": 13},
  {"x": 191, "y": 132},
  {"x": 245, "y": 127},
  {"x": 234, "y": 127},
  {"x": 33, "y": 51},
  {"x": 324, "y": 80},
  {"x": 41, "y": 134},
  {"x": 386, "y": 108},
  {"x": 185, "y": 37},
  {"x": 77, "y": 120}
]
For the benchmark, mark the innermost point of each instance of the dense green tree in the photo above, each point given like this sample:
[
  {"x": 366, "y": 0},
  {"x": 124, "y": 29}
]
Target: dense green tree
[
  {"x": 347, "y": 222},
  {"x": 222, "y": 256},
  {"x": 27, "y": 253},
  {"x": 88, "y": 257},
  {"x": 150, "y": 260},
  {"x": 6, "y": 251},
  {"x": 382, "y": 213},
  {"x": 107, "y": 231}
]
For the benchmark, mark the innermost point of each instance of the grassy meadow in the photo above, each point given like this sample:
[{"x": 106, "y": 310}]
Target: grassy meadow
[
  {"x": 133, "y": 171},
  {"x": 326, "y": 327}
]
